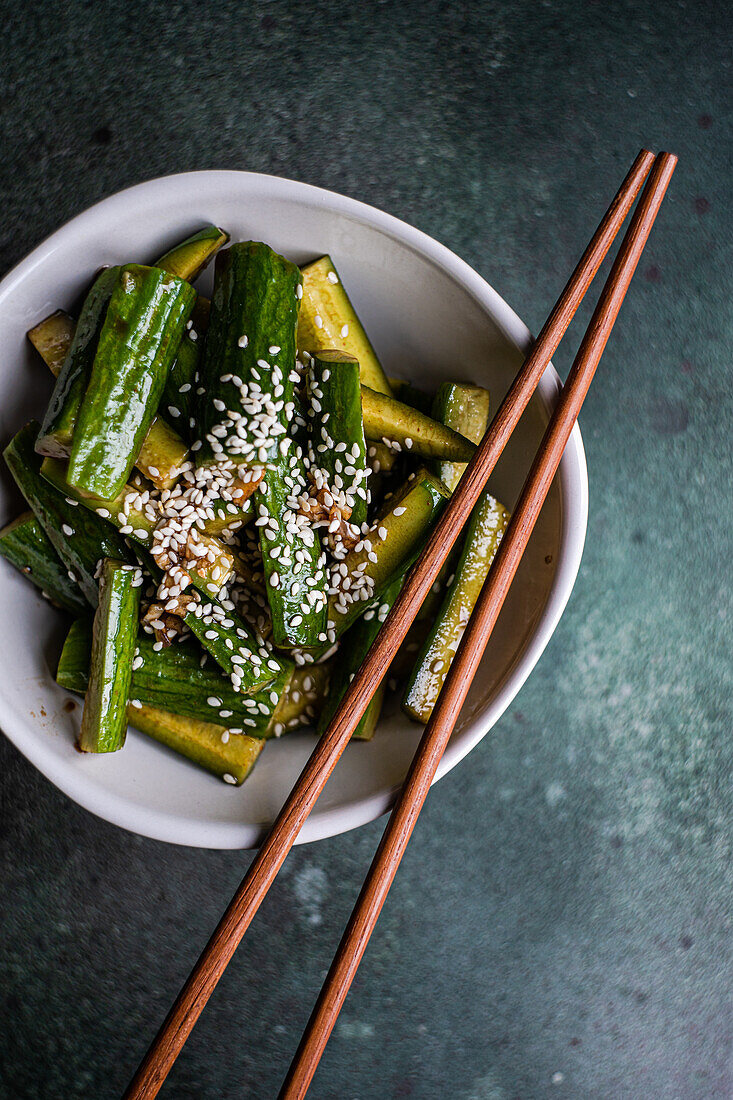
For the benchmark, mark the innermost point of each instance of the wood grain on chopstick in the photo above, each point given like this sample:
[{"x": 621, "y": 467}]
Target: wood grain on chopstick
[
  {"x": 470, "y": 651},
  {"x": 216, "y": 955}
]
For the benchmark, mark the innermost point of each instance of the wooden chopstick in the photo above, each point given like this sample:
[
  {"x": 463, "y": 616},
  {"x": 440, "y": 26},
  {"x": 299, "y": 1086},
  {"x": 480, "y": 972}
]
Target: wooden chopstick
[
  {"x": 470, "y": 651},
  {"x": 212, "y": 962}
]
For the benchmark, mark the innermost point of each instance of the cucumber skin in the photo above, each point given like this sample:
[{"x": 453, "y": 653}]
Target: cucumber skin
[
  {"x": 93, "y": 538},
  {"x": 173, "y": 680},
  {"x": 183, "y": 372},
  {"x": 26, "y": 545},
  {"x": 483, "y": 534},
  {"x": 188, "y": 259},
  {"x": 327, "y": 299},
  {"x": 285, "y": 599},
  {"x": 255, "y": 296},
  {"x": 56, "y": 432},
  {"x": 162, "y": 447},
  {"x": 243, "y": 643},
  {"x": 413, "y": 396},
  {"x": 353, "y": 649},
  {"x": 145, "y": 320},
  {"x": 341, "y": 400},
  {"x": 464, "y": 408},
  {"x": 104, "y": 721}
]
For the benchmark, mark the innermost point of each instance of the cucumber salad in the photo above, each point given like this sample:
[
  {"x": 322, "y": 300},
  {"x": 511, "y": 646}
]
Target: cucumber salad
[{"x": 226, "y": 495}]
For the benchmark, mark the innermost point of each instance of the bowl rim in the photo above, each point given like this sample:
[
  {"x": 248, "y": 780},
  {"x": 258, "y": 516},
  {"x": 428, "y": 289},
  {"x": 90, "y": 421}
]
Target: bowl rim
[{"x": 172, "y": 827}]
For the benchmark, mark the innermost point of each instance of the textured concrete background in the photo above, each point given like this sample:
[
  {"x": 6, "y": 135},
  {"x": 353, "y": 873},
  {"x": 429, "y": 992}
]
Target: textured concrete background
[{"x": 561, "y": 923}]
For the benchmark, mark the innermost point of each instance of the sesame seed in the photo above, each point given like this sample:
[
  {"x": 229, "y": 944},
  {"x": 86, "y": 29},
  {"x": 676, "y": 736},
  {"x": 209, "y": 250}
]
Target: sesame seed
[
  {"x": 332, "y": 277},
  {"x": 229, "y": 778}
]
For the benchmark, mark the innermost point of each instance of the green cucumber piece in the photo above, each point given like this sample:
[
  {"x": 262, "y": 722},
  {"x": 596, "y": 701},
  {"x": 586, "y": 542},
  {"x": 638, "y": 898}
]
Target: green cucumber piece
[
  {"x": 328, "y": 320},
  {"x": 132, "y": 520},
  {"x": 336, "y": 429},
  {"x": 80, "y": 538},
  {"x": 26, "y": 545},
  {"x": 396, "y": 540},
  {"x": 294, "y": 567},
  {"x": 104, "y": 721},
  {"x": 485, "y": 528},
  {"x": 57, "y": 430},
  {"x": 354, "y": 647},
  {"x": 464, "y": 408},
  {"x": 254, "y": 307},
  {"x": 179, "y": 400},
  {"x": 251, "y": 346},
  {"x": 142, "y": 329},
  {"x": 162, "y": 453},
  {"x": 52, "y": 338},
  {"x": 412, "y": 395},
  {"x": 175, "y": 680},
  {"x": 189, "y": 258},
  {"x": 230, "y": 756},
  {"x": 302, "y": 698},
  {"x": 250, "y": 663},
  {"x": 388, "y": 420},
  {"x": 381, "y": 458}
]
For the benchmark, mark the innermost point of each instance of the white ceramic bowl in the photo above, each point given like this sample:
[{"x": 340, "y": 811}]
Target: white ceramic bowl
[{"x": 430, "y": 317}]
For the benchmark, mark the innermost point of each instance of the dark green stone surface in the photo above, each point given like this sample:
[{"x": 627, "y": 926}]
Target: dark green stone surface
[{"x": 561, "y": 924}]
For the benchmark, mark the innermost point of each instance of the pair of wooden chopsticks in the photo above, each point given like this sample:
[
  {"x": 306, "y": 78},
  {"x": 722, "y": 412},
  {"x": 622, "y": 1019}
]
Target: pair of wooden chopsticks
[{"x": 183, "y": 1015}]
